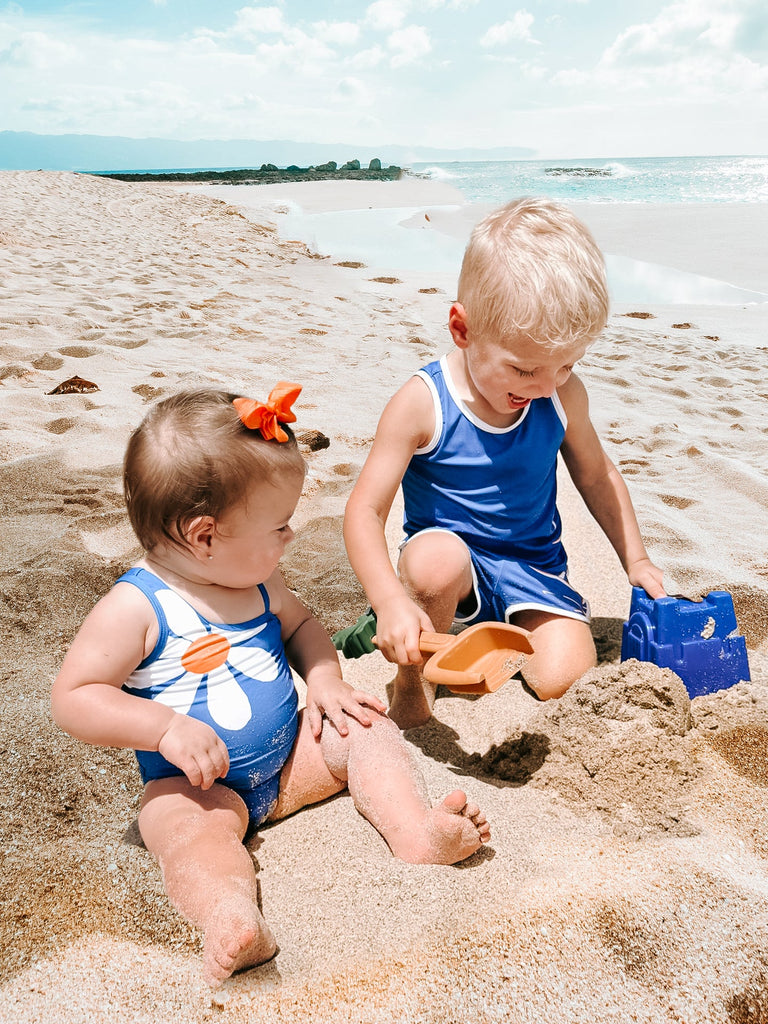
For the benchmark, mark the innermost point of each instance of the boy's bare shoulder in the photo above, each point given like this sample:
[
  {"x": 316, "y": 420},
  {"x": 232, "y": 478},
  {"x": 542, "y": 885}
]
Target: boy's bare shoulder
[
  {"x": 573, "y": 396},
  {"x": 410, "y": 412}
]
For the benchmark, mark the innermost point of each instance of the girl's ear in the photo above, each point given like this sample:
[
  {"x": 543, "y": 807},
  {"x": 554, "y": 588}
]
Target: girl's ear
[
  {"x": 199, "y": 535},
  {"x": 457, "y": 325}
]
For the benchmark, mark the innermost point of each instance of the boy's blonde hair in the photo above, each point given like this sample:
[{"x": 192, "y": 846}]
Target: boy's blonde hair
[
  {"x": 192, "y": 456},
  {"x": 533, "y": 268}
]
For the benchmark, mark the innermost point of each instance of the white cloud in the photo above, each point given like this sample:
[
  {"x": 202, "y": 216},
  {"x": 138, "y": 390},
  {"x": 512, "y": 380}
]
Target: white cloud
[
  {"x": 409, "y": 45},
  {"x": 517, "y": 28},
  {"x": 259, "y": 20},
  {"x": 691, "y": 50},
  {"x": 337, "y": 33},
  {"x": 38, "y": 50},
  {"x": 456, "y": 5},
  {"x": 351, "y": 89},
  {"x": 386, "y": 15},
  {"x": 681, "y": 29},
  {"x": 369, "y": 58}
]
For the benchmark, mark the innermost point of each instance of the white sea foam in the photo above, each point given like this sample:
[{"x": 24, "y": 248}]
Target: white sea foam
[
  {"x": 618, "y": 170},
  {"x": 438, "y": 174}
]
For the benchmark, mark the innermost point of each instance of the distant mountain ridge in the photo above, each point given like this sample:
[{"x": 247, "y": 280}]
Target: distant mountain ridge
[{"x": 21, "y": 151}]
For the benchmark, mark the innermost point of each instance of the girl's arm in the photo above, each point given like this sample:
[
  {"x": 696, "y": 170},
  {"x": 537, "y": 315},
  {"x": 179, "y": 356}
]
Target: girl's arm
[
  {"x": 313, "y": 656},
  {"x": 87, "y": 700},
  {"x": 604, "y": 491},
  {"x": 406, "y": 425}
]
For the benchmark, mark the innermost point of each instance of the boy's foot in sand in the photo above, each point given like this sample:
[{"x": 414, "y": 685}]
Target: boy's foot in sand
[
  {"x": 235, "y": 941},
  {"x": 453, "y": 831},
  {"x": 411, "y": 702}
]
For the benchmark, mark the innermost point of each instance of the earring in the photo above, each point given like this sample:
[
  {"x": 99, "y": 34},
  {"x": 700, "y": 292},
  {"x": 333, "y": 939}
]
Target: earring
[{"x": 210, "y": 556}]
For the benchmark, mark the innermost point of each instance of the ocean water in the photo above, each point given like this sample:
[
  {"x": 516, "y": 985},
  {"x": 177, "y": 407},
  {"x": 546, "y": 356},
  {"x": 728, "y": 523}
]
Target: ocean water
[{"x": 713, "y": 179}]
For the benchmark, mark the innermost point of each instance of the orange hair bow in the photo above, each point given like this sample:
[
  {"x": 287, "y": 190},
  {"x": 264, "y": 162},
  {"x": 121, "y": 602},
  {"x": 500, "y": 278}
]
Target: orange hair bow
[{"x": 267, "y": 416}]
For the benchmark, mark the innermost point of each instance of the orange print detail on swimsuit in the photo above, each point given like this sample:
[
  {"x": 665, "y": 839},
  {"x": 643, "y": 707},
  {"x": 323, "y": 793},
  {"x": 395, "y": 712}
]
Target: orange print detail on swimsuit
[{"x": 206, "y": 654}]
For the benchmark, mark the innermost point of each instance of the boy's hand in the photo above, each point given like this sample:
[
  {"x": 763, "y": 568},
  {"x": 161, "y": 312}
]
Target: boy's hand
[
  {"x": 329, "y": 695},
  {"x": 195, "y": 748},
  {"x": 648, "y": 576},
  {"x": 398, "y": 628}
]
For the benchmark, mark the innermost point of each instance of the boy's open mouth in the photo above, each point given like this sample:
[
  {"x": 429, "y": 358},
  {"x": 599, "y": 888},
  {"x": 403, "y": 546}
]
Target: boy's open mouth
[{"x": 516, "y": 401}]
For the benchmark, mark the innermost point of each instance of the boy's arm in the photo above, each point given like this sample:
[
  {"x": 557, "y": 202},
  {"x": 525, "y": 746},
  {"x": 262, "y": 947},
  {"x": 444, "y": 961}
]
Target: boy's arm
[
  {"x": 87, "y": 700},
  {"x": 313, "y": 656},
  {"x": 604, "y": 491},
  {"x": 406, "y": 424}
]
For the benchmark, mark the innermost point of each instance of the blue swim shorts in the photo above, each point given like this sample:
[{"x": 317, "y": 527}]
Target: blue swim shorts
[{"x": 503, "y": 586}]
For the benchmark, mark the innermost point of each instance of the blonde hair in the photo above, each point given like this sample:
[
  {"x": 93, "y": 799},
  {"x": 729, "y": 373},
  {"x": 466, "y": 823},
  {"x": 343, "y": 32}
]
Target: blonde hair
[
  {"x": 533, "y": 268},
  {"x": 192, "y": 456}
]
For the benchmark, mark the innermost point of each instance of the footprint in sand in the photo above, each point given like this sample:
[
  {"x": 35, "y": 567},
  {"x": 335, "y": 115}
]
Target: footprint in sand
[
  {"x": 127, "y": 343},
  {"x": 108, "y": 535},
  {"x": 147, "y": 392},
  {"x": 79, "y": 351},
  {"x": 674, "y": 501},
  {"x": 47, "y": 362},
  {"x": 61, "y": 426},
  {"x": 14, "y": 370}
]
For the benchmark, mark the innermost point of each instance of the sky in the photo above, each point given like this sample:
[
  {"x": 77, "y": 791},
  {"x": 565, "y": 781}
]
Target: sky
[{"x": 564, "y": 78}]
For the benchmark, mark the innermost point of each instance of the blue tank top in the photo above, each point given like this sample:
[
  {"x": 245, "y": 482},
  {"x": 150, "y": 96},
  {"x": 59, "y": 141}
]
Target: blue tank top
[
  {"x": 496, "y": 487},
  {"x": 235, "y": 678}
]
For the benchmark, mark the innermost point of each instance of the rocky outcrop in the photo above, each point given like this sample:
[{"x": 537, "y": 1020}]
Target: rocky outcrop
[{"x": 269, "y": 174}]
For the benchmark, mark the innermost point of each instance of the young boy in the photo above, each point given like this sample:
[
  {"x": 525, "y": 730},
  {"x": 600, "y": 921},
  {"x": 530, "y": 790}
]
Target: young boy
[{"x": 473, "y": 438}]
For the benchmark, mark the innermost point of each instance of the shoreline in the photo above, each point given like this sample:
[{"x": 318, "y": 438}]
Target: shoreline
[
  {"x": 627, "y": 875},
  {"x": 665, "y": 241}
]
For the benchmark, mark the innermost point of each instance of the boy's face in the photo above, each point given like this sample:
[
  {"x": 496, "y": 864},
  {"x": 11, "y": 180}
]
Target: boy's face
[{"x": 508, "y": 375}]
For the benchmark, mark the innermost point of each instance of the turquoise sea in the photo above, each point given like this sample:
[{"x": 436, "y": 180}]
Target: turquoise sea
[{"x": 691, "y": 179}]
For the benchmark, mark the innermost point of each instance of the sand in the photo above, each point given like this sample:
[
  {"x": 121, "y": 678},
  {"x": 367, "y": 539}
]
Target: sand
[{"x": 627, "y": 877}]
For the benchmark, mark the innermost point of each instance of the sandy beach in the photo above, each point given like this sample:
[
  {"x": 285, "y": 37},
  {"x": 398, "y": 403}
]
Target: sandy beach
[{"x": 627, "y": 875}]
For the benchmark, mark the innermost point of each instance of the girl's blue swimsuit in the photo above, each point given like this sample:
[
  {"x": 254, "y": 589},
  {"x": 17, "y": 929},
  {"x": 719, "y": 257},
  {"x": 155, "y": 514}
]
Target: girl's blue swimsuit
[{"x": 233, "y": 677}]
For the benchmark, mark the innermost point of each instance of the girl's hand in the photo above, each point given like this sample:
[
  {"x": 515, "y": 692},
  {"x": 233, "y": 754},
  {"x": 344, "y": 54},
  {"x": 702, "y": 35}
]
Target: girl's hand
[
  {"x": 329, "y": 695},
  {"x": 398, "y": 629},
  {"x": 645, "y": 574},
  {"x": 195, "y": 748}
]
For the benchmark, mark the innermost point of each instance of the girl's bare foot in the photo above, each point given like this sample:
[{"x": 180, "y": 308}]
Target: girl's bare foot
[
  {"x": 451, "y": 832},
  {"x": 236, "y": 939}
]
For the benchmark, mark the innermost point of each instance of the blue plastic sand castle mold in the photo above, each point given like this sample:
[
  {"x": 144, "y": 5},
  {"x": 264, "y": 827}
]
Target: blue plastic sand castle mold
[{"x": 698, "y": 640}]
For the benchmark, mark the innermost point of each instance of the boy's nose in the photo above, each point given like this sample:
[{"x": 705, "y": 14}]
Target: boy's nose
[
  {"x": 546, "y": 386},
  {"x": 548, "y": 383}
]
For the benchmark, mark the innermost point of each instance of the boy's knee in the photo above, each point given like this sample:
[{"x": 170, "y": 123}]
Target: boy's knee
[
  {"x": 549, "y": 688},
  {"x": 549, "y": 682},
  {"x": 435, "y": 563}
]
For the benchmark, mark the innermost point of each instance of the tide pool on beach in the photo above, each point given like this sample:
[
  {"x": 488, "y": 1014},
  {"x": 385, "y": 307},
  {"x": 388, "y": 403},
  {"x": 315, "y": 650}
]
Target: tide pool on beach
[{"x": 407, "y": 239}]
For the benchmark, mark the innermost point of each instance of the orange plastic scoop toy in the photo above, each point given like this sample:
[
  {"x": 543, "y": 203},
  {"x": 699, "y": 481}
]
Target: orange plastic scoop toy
[{"x": 479, "y": 660}]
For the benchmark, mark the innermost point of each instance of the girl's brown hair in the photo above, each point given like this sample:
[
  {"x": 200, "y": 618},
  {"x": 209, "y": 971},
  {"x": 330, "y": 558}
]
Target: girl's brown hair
[{"x": 192, "y": 456}]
